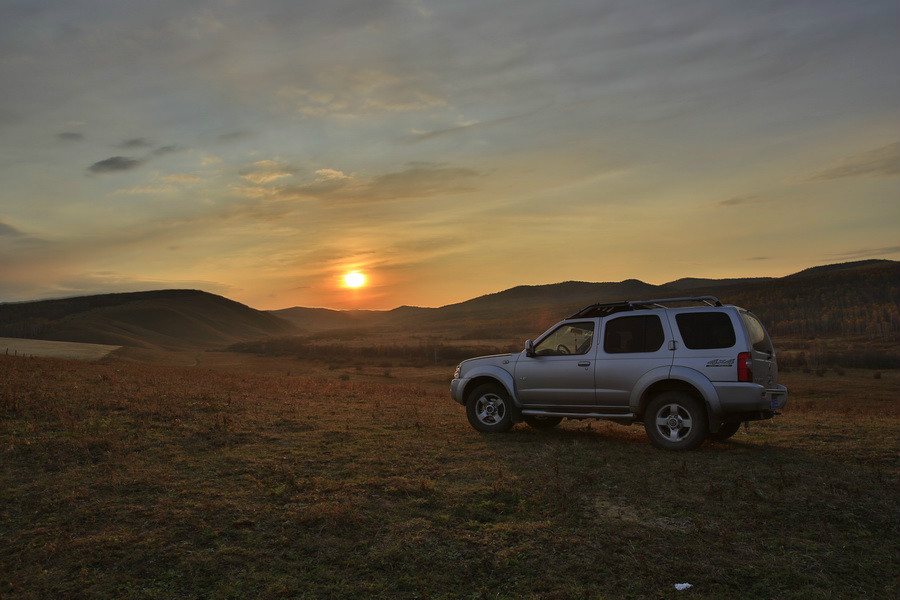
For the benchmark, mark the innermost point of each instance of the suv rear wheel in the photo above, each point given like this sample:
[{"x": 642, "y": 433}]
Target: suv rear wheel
[
  {"x": 676, "y": 421},
  {"x": 488, "y": 409}
]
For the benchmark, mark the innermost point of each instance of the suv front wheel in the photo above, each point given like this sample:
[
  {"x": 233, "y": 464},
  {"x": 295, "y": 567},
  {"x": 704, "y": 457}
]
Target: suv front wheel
[
  {"x": 488, "y": 409},
  {"x": 676, "y": 421}
]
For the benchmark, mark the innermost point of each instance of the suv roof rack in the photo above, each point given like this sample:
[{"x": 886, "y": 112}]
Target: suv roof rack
[{"x": 604, "y": 309}]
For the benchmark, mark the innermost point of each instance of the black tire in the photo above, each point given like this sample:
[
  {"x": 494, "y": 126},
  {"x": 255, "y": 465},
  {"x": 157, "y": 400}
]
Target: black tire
[
  {"x": 542, "y": 423},
  {"x": 726, "y": 430},
  {"x": 676, "y": 421},
  {"x": 489, "y": 409}
]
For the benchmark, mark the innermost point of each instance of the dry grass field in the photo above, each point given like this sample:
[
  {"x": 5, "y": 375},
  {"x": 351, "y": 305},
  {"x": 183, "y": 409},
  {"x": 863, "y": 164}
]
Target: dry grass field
[
  {"x": 247, "y": 477},
  {"x": 73, "y": 350}
]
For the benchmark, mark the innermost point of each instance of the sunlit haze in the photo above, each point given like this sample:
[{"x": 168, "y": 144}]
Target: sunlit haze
[
  {"x": 354, "y": 279},
  {"x": 264, "y": 150}
]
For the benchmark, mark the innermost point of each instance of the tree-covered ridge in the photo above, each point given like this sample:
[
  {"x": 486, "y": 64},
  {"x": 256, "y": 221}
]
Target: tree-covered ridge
[{"x": 844, "y": 303}]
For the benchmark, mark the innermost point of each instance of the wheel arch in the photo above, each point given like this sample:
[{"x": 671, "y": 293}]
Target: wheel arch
[
  {"x": 684, "y": 380},
  {"x": 499, "y": 377}
]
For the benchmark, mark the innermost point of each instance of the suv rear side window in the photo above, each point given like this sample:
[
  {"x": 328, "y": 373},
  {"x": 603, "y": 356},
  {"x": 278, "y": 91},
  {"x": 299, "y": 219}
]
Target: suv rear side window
[
  {"x": 633, "y": 334},
  {"x": 705, "y": 330}
]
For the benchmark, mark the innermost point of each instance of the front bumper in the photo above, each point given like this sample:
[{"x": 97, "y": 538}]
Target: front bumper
[{"x": 456, "y": 390}]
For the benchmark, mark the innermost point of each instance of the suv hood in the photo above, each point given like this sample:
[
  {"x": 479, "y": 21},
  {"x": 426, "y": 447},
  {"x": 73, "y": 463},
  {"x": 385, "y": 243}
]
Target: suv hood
[{"x": 492, "y": 359}]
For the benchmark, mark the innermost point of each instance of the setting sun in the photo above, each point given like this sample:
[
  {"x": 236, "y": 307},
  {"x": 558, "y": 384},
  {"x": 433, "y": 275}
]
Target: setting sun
[{"x": 354, "y": 279}]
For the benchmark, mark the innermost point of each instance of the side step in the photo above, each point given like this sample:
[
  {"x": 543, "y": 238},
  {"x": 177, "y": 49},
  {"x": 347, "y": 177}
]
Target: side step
[{"x": 579, "y": 415}]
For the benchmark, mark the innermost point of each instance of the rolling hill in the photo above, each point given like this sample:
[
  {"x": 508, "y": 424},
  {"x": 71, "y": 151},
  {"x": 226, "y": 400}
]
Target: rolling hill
[
  {"x": 844, "y": 300},
  {"x": 163, "y": 319}
]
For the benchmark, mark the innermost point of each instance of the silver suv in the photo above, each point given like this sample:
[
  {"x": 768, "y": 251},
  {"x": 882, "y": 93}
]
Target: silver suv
[{"x": 688, "y": 368}]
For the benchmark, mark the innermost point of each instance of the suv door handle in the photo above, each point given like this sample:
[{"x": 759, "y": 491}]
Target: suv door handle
[{"x": 584, "y": 363}]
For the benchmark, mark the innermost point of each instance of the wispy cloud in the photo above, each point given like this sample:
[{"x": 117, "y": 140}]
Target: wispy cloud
[
  {"x": 880, "y": 162},
  {"x": 9, "y": 230},
  {"x": 345, "y": 93},
  {"x": 233, "y": 136},
  {"x": 70, "y": 136},
  {"x": 101, "y": 282},
  {"x": 167, "y": 149},
  {"x": 115, "y": 164},
  {"x": 264, "y": 171},
  {"x": 182, "y": 178},
  {"x": 739, "y": 200},
  {"x": 888, "y": 251},
  {"x": 133, "y": 143},
  {"x": 424, "y": 136},
  {"x": 418, "y": 180}
]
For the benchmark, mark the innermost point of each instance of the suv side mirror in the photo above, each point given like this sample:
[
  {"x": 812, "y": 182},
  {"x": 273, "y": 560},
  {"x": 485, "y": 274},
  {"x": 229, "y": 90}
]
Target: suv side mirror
[{"x": 529, "y": 348}]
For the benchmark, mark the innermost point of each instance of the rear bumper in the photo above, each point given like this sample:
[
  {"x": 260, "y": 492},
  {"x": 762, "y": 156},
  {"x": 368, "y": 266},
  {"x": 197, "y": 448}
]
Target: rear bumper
[
  {"x": 777, "y": 397},
  {"x": 749, "y": 397}
]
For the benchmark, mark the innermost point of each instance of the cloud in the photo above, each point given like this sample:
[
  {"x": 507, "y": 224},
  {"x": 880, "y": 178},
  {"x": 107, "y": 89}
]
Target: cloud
[
  {"x": 182, "y": 178},
  {"x": 233, "y": 136},
  {"x": 423, "y": 136},
  {"x": 126, "y": 163},
  {"x": 167, "y": 150},
  {"x": 9, "y": 230},
  {"x": 738, "y": 200},
  {"x": 881, "y": 162},
  {"x": 264, "y": 171},
  {"x": 70, "y": 136},
  {"x": 344, "y": 93},
  {"x": 133, "y": 143},
  {"x": 861, "y": 253},
  {"x": 148, "y": 190},
  {"x": 418, "y": 180},
  {"x": 115, "y": 164},
  {"x": 104, "y": 282}
]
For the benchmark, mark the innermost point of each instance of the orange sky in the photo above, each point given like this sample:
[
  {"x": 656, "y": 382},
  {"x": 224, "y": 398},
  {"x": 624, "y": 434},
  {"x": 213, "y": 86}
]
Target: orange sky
[{"x": 444, "y": 149}]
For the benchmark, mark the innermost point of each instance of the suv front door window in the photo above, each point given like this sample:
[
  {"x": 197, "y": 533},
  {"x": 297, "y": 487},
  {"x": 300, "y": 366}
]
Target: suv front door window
[
  {"x": 561, "y": 372},
  {"x": 568, "y": 339}
]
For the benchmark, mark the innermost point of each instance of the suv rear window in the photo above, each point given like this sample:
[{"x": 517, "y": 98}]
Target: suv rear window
[
  {"x": 705, "y": 330},
  {"x": 633, "y": 334},
  {"x": 758, "y": 337}
]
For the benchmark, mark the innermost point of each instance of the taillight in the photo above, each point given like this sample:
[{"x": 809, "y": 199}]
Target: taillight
[{"x": 745, "y": 367}]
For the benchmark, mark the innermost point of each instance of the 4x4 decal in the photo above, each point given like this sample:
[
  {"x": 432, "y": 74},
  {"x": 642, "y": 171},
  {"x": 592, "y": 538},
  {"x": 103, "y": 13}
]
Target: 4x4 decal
[{"x": 721, "y": 362}]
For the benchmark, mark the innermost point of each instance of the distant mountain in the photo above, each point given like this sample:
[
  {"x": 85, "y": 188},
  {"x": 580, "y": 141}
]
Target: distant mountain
[
  {"x": 844, "y": 300},
  {"x": 846, "y": 266},
  {"x": 693, "y": 283},
  {"x": 166, "y": 319},
  {"x": 858, "y": 298}
]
